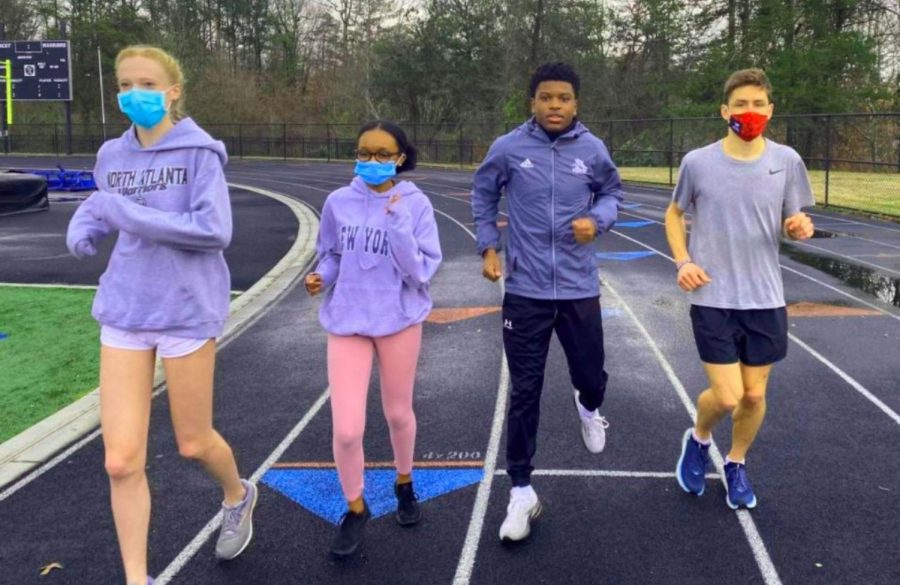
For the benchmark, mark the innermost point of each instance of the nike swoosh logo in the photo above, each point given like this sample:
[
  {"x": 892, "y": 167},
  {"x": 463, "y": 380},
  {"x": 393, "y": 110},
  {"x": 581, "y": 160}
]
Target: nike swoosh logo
[{"x": 775, "y": 172}]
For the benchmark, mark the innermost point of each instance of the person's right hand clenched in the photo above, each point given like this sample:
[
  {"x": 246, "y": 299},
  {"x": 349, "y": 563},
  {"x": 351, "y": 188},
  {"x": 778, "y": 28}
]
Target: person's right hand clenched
[
  {"x": 313, "y": 283},
  {"x": 691, "y": 277},
  {"x": 493, "y": 268}
]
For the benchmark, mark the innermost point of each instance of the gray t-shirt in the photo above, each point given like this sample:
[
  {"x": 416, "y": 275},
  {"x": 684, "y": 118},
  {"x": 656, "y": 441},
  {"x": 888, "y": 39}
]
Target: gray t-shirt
[{"x": 739, "y": 208}]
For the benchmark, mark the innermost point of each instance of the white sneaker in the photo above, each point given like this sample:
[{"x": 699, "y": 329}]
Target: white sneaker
[
  {"x": 593, "y": 427},
  {"x": 523, "y": 507}
]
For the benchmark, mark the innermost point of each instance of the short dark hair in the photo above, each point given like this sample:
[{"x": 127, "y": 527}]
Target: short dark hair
[
  {"x": 555, "y": 72},
  {"x": 406, "y": 147},
  {"x": 746, "y": 77}
]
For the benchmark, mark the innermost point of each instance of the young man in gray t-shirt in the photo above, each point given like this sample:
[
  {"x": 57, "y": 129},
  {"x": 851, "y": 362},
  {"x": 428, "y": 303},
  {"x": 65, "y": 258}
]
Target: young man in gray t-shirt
[{"x": 744, "y": 192}]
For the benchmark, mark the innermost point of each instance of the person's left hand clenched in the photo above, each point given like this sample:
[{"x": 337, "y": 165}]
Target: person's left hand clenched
[
  {"x": 585, "y": 230},
  {"x": 799, "y": 227},
  {"x": 392, "y": 204}
]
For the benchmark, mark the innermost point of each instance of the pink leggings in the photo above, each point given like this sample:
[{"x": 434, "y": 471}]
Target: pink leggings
[{"x": 349, "y": 370}]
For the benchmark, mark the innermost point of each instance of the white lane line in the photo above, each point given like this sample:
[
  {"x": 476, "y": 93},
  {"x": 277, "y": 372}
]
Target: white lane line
[
  {"x": 49, "y": 464},
  {"x": 854, "y": 222},
  {"x": 853, "y": 383},
  {"x": 64, "y": 286},
  {"x": 843, "y": 222},
  {"x": 841, "y": 292},
  {"x": 852, "y": 258},
  {"x": 763, "y": 560},
  {"x": 868, "y": 395},
  {"x": 197, "y": 543},
  {"x": 783, "y": 267},
  {"x": 894, "y": 246},
  {"x": 665, "y": 195},
  {"x": 337, "y": 182},
  {"x": 482, "y": 498},
  {"x": 607, "y": 473}
]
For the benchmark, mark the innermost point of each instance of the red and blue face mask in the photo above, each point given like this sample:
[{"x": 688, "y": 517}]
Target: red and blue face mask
[{"x": 748, "y": 125}]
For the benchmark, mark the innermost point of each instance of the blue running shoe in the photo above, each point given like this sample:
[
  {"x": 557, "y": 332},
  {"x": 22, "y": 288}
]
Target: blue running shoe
[
  {"x": 691, "y": 470},
  {"x": 738, "y": 491}
]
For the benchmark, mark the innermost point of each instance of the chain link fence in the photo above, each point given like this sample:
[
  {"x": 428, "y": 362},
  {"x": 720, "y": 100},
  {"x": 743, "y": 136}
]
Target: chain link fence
[{"x": 853, "y": 159}]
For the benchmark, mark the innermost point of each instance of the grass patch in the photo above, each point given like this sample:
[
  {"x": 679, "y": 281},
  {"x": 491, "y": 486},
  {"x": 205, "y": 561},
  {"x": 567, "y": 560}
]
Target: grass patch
[
  {"x": 875, "y": 192},
  {"x": 647, "y": 174},
  {"x": 50, "y": 355},
  {"x": 872, "y": 192}
]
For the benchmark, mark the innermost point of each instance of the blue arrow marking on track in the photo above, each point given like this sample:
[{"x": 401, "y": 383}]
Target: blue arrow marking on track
[
  {"x": 319, "y": 490},
  {"x": 623, "y": 256},
  {"x": 633, "y": 224}
]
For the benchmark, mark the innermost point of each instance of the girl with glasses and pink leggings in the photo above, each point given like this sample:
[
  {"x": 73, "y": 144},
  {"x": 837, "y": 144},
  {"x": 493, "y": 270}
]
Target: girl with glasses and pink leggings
[{"x": 378, "y": 249}]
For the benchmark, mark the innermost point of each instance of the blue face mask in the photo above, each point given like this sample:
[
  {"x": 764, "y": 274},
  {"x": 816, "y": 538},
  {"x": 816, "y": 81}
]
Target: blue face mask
[
  {"x": 145, "y": 107},
  {"x": 375, "y": 173}
]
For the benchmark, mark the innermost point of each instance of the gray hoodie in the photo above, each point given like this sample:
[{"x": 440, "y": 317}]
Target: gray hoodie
[
  {"x": 377, "y": 266},
  {"x": 170, "y": 204}
]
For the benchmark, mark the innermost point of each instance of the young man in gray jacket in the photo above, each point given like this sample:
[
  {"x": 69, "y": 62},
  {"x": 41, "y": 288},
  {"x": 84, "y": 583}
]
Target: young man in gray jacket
[{"x": 562, "y": 190}]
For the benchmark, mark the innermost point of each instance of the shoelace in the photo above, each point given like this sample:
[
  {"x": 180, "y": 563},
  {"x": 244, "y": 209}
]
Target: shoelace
[
  {"x": 604, "y": 424},
  {"x": 232, "y": 518},
  {"x": 698, "y": 464},
  {"x": 739, "y": 478}
]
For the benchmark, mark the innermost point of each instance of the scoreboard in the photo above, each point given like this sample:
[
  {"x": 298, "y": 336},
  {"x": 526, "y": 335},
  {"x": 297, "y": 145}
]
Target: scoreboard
[{"x": 41, "y": 70}]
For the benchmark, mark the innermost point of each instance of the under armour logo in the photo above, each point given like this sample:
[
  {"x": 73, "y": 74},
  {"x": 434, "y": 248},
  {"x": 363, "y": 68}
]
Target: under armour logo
[
  {"x": 527, "y": 164},
  {"x": 507, "y": 324},
  {"x": 579, "y": 168}
]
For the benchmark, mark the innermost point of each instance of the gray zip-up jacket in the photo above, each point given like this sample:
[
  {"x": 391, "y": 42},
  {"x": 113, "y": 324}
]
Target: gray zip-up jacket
[{"x": 547, "y": 186}]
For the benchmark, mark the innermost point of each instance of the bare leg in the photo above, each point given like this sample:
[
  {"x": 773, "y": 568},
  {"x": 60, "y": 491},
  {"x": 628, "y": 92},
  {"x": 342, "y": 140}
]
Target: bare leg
[
  {"x": 720, "y": 399},
  {"x": 751, "y": 410},
  {"x": 126, "y": 385},
  {"x": 190, "y": 382}
]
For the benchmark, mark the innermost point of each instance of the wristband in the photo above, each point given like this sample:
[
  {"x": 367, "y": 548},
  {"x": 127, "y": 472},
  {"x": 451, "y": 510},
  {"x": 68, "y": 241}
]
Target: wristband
[{"x": 679, "y": 265}]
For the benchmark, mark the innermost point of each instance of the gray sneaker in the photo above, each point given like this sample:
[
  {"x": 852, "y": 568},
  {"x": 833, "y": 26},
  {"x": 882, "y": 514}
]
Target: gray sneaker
[{"x": 237, "y": 525}]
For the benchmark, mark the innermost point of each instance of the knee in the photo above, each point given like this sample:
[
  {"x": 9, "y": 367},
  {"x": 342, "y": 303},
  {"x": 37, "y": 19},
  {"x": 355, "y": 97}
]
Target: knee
[
  {"x": 347, "y": 439},
  {"x": 725, "y": 401},
  {"x": 728, "y": 405},
  {"x": 400, "y": 420},
  {"x": 752, "y": 399},
  {"x": 123, "y": 465},
  {"x": 194, "y": 448}
]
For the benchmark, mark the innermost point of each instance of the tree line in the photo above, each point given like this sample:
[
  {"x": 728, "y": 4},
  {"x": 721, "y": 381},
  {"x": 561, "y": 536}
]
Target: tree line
[{"x": 449, "y": 61}]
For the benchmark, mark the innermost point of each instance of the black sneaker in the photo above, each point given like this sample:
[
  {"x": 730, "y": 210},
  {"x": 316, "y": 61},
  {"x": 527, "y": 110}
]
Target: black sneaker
[
  {"x": 350, "y": 532},
  {"x": 408, "y": 511}
]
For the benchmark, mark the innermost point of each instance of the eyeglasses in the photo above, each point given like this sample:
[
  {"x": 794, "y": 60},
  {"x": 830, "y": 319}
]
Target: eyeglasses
[{"x": 381, "y": 156}]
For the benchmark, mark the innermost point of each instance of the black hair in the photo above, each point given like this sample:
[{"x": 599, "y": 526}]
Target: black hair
[
  {"x": 403, "y": 144},
  {"x": 555, "y": 72}
]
